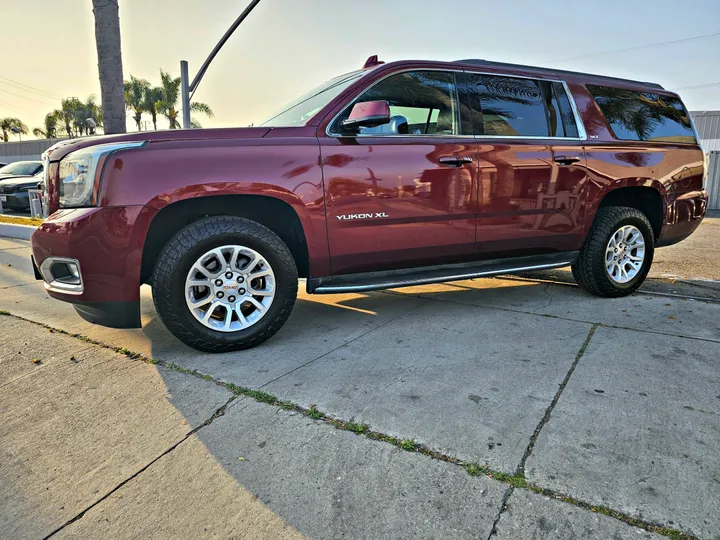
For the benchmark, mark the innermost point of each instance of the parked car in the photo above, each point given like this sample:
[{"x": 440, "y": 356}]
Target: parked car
[
  {"x": 484, "y": 168},
  {"x": 14, "y": 191},
  {"x": 20, "y": 168},
  {"x": 2, "y": 163}
]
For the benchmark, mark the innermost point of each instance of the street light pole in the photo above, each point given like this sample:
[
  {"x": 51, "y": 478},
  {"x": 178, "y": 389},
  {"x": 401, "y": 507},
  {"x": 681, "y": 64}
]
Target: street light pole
[{"x": 188, "y": 89}]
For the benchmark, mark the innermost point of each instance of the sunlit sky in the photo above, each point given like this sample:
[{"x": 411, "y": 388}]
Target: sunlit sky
[{"x": 286, "y": 47}]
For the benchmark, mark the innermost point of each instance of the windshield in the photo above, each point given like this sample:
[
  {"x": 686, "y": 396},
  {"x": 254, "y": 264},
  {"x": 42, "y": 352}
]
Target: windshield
[
  {"x": 21, "y": 168},
  {"x": 307, "y": 105}
]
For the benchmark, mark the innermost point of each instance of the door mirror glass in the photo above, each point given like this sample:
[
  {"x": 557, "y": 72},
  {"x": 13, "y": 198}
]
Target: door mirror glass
[{"x": 368, "y": 114}]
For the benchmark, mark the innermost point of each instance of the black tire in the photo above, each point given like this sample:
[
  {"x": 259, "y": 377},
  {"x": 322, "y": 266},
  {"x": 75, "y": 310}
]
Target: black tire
[
  {"x": 181, "y": 252},
  {"x": 589, "y": 270}
]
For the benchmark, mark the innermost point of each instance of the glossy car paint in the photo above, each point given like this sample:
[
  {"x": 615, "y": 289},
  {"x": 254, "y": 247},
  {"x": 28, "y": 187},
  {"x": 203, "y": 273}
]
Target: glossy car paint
[
  {"x": 413, "y": 210},
  {"x": 513, "y": 199}
]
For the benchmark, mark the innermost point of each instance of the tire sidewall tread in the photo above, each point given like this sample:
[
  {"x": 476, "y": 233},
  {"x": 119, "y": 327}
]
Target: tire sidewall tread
[
  {"x": 183, "y": 250},
  {"x": 589, "y": 269}
]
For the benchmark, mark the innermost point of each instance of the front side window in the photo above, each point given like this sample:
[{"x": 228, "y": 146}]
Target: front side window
[
  {"x": 643, "y": 116},
  {"x": 421, "y": 103}
]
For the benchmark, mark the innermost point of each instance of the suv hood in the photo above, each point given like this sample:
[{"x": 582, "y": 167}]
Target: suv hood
[{"x": 59, "y": 150}]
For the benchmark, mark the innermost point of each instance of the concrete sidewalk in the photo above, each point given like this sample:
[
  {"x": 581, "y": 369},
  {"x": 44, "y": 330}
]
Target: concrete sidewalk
[{"x": 611, "y": 406}]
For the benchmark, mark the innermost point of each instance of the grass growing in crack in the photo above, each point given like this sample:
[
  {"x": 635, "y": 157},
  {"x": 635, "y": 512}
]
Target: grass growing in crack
[
  {"x": 313, "y": 412},
  {"x": 407, "y": 444},
  {"x": 3, "y": 312},
  {"x": 355, "y": 428}
]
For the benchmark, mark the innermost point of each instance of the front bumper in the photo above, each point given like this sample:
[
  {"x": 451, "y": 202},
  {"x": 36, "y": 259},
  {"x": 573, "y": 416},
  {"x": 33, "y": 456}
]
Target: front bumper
[
  {"x": 16, "y": 201},
  {"x": 103, "y": 245}
]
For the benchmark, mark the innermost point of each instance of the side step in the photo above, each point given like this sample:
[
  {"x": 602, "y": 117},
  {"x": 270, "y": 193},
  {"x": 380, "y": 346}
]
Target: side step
[{"x": 406, "y": 277}]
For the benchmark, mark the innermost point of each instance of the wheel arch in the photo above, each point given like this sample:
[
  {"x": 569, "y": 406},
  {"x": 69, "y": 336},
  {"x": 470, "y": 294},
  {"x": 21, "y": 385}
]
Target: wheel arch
[
  {"x": 647, "y": 197},
  {"x": 274, "y": 213}
]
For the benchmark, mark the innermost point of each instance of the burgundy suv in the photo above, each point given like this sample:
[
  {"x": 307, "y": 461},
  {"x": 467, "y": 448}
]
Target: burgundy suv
[{"x": 398, "y": 174}]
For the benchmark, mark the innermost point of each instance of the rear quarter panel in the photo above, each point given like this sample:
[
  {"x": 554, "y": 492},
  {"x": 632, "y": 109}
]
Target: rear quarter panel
[{"x": 674, "y": 170}]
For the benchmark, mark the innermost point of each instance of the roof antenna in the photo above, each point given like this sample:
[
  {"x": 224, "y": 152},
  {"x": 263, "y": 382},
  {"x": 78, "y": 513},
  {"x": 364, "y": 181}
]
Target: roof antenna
[{"x": 372, "y": 62}]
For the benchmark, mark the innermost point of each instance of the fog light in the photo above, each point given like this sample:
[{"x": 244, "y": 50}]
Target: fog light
[
  {"x": 66, "y": 272},
  {"x": 62, "y": 275}
]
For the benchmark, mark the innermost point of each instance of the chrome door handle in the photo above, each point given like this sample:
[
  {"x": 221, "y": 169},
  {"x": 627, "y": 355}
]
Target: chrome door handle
[{"x": 454, "y": 161}]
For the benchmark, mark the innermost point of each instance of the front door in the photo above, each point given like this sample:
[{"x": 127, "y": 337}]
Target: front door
[
  {"x": 531, "y": 166},
  {"x": 403, "y": 193}
]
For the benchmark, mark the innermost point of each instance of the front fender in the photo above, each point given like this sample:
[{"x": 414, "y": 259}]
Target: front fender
[{"x": 163, "y": 173}]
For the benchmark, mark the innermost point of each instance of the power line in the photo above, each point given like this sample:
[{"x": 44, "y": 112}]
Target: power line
[
  {"x": 695, "y": 38},
  {"x": 698, "y": 86},
  {"x": 28, "y": 98},
  {"x": 27, "y": 88}
]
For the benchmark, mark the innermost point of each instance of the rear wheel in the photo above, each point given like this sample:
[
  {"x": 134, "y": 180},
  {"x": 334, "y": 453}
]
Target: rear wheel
[
  {"x": 616, "y": 256},
  {"x": 224, "y": 283}
]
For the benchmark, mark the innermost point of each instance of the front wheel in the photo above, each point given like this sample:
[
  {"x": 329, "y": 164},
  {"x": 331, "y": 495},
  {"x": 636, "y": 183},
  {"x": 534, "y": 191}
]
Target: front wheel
[
  {"x": 224, "y": 283},
  {"x": 616, "y": 256}
]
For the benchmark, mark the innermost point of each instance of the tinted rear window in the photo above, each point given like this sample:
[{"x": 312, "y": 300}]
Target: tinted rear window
[{"x": 642, "y": 116}]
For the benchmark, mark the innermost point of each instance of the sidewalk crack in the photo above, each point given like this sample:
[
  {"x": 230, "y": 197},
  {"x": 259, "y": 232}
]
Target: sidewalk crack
[
  {"x": 217, "y": 414},
  {"x": 548, "y": 412},
  {"x": 503, "y": 507}
]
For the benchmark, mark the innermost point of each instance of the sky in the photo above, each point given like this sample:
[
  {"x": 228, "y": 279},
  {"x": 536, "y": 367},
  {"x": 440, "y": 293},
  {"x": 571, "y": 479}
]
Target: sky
[{"x": 286, "y": 47}]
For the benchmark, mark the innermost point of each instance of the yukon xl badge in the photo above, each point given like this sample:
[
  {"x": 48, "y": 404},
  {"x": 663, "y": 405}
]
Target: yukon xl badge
[{"x": 362, "y": 216}]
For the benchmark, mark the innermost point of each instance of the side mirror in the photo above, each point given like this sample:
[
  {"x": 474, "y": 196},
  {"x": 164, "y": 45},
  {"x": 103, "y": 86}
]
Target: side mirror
[{"x": 367, "y": 114}]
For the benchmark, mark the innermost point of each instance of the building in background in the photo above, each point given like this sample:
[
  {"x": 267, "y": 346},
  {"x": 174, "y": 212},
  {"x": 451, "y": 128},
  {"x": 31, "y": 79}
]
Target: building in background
[{"x": 708, "y": 127}]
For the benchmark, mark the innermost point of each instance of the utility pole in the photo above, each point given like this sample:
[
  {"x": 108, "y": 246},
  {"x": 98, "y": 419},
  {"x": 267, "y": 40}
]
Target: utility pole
[{"x": 187, "y": 89}]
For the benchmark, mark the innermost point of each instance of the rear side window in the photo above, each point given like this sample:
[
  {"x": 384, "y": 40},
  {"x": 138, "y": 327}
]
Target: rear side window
[
  {"x": 511, "y": 107},
  {"x": 560, "y": 114},
  {"x": 518, "y": 107},
  {"x": 642, "y": 116}
]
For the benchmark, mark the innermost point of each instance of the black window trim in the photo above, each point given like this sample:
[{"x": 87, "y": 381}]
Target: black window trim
[{"x": 582, "y": 134}]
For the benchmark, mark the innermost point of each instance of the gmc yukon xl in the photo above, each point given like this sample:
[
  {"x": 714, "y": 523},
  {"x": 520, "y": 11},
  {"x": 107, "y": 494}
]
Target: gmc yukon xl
[{"x": 397, "y": 174}]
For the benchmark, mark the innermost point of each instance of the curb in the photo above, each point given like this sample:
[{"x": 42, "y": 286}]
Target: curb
[{"x": 10, "y": 230}]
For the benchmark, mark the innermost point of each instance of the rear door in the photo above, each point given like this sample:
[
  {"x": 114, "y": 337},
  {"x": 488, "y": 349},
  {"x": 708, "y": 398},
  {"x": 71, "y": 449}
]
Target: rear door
[
  {"x": 402, "y": 194},
  {"x": 532, "y": 167}
]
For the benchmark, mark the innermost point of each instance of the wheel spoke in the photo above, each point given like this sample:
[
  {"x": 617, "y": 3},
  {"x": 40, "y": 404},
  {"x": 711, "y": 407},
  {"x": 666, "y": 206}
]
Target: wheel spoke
[
  {"x": 210, "y": 311},
  {"x": 268, "y": 291},
  {"x": 243, "y": 320},
  {"x": 228, "y": 318},
  {"x": 260, "y": 273},
  {"x": 201, "y": 269},
  {"x": 257, "y": 305},
  {"x": 199, "y": 303},
  {"x": 234, "y": 259},
  {"x": 252, "y": 263}
]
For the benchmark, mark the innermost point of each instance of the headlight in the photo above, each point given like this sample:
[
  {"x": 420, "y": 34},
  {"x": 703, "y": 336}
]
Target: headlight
[{"x": 79, "y": 171}]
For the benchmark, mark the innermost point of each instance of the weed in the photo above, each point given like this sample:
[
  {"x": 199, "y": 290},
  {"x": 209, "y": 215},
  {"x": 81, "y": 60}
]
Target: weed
[
  {"x": 407, "y": 444},
  {"x": 313, "y": 412}
]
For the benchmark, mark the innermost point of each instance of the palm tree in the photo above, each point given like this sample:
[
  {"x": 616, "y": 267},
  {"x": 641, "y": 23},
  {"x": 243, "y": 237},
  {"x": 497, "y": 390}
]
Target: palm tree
[
  {"x": 50, "y": 130},
  {"x": 107, "y": 39},
  {"x": 151, "y": 97},
  {"x": 135, "y": 90},
  {"x": 67, "y": 113},
  {"x": 168, "y": 102},
  {"x": 12, "y": 125}
]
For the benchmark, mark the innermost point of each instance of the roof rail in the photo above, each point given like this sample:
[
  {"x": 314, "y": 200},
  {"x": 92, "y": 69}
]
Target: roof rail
[{"x": 552, "y": 71}]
